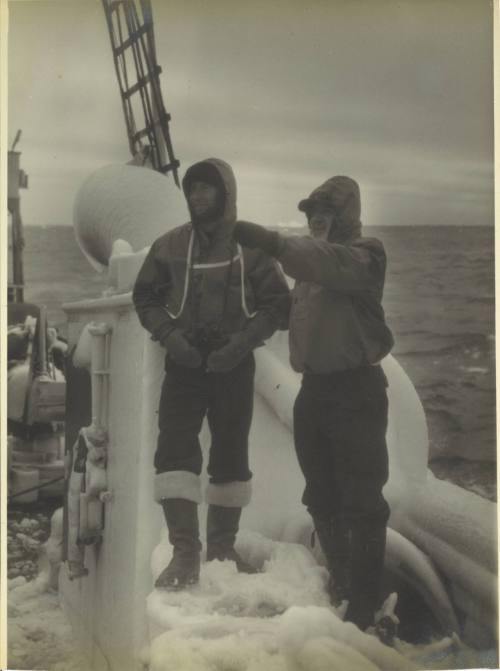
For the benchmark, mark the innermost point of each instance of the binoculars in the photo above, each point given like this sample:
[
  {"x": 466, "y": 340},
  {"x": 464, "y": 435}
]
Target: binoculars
[{"x": 207, "y": 340}]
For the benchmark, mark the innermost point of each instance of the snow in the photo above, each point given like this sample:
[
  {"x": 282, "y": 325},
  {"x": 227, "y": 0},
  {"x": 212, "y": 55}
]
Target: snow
[
  {"x": 279, "y": 620},
  {"x": 39, "y": 635}
]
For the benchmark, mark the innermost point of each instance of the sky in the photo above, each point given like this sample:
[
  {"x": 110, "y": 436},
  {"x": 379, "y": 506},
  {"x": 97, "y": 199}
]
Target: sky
[{"x": 396, "y": 94}]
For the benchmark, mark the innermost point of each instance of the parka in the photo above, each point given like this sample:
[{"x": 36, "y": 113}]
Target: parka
[
  {"x": 337, "y": 321},
  {"x": 200, "y": 283}
]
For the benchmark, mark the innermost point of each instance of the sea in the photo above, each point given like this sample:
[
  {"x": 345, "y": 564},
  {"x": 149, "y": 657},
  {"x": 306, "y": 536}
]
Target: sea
[{"x": 439, "y": 301}]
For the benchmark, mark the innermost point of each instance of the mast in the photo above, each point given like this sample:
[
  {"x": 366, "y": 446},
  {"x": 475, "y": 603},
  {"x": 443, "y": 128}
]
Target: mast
[
  {"x": 17, "y": 179},
  {"x": 130, "y": 26}
]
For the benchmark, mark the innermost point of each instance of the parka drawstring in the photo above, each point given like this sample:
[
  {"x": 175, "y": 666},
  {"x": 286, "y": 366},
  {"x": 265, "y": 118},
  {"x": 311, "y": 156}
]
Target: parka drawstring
[{"x": 190, "y": 266}]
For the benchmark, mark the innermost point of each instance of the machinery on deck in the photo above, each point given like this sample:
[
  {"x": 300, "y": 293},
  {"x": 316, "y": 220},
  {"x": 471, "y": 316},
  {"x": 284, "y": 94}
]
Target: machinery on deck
[
  {"x": 35, "y": 378},
  {"x": 17, "y": 179}
]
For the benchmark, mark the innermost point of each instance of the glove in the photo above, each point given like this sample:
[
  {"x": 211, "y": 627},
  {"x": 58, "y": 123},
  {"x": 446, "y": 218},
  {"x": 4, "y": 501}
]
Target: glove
[
  {"x": 228, "y": 357},
  {"x": 253, "y": 235},
  {"x": 181, "y": 351}
]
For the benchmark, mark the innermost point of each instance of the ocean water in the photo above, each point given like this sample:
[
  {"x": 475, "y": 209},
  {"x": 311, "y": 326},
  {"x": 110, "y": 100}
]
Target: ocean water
[{"x": 439, "y": 302}]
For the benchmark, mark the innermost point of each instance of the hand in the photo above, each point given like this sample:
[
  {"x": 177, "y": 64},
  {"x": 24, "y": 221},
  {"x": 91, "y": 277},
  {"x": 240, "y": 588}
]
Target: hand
[
  {"x": 228, "y": 357},
  {"x": 181, "y": 351},
  {"x": 253, "y": 235}
]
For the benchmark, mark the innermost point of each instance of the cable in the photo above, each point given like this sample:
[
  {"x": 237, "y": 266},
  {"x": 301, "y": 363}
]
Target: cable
[{"x": 32, "y": 489}]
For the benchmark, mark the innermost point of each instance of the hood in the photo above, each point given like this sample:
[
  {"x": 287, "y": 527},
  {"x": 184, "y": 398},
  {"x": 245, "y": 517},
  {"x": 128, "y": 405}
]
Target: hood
[
  {"x": 215, "y": 171},
  {"x": 342, "y": 194}
]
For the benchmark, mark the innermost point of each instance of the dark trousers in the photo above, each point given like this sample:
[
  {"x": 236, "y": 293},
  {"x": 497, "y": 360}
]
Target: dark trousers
[
  {"x": 340, "y": 422},
  {"x": 226, "y": 399}
]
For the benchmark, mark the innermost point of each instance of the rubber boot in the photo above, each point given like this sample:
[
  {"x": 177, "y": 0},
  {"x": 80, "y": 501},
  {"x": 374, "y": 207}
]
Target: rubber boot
[
  {"x": 181, "y": 516},
  {"x": 334, "y": 538},
  {"x": 222, "y": 527},
  {"x": 368, "y": 552}
]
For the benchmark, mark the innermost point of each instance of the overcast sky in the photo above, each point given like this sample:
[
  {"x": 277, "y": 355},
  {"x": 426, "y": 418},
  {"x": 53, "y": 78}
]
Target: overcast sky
[{"x": 395, "y": 93}]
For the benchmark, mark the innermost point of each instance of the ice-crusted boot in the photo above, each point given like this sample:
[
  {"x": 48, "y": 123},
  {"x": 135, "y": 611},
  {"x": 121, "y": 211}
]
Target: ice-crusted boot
[
  {"x": 222, "y": 527},
  {"x": 181, "y": 516},
  {"x": 368, "y": 552},
  {"x": 334, "y": 538}
]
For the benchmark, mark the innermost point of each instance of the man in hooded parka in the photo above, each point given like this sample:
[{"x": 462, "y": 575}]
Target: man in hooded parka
[
  {"x": 210, "y": 304},
  {"x": 338, "y": 336}
]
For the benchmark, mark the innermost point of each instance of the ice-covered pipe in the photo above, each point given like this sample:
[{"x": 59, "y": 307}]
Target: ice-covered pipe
[
  {"x": 458, "y": 530},
  {"x": 415, "y": 568},
  {"x": 407, "y": 437}
]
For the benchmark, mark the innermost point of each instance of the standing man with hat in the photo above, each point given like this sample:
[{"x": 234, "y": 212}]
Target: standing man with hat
[
  {"x": 210, "y": 304},
  {"x": 338, "y": 336}
]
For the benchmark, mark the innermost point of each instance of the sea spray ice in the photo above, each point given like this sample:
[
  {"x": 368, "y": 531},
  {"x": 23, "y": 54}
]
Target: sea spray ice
[
  {"x": 39, "y": 635},
  {"x": 236, "y": 635},
  {"x": 277, "y": 619}
]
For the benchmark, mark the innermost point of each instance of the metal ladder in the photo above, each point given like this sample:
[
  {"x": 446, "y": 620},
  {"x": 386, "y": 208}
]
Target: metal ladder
[{"x": 130, "y": 26}]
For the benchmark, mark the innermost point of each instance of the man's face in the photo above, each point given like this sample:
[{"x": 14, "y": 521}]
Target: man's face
[
  {"x": 202, "y": 199},
  {"x": 321, "y": 221}
]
